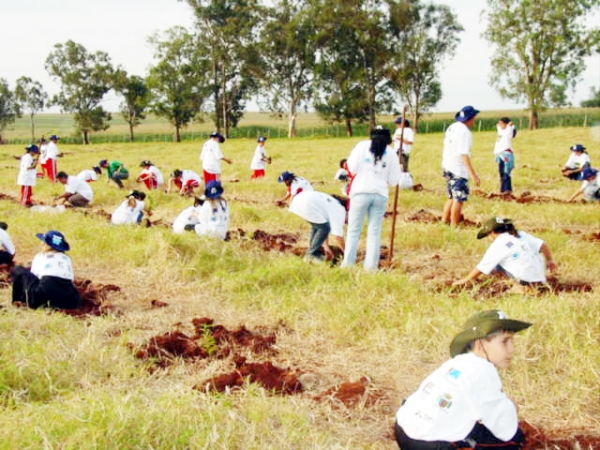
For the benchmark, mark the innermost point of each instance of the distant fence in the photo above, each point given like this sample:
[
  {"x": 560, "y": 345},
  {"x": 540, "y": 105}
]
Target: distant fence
[{"x": 327, "y": 131}]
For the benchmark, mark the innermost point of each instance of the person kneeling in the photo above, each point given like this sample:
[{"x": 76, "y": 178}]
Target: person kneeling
[
  {"x": 461, "y": 405},
  {"x": 49, "y": 282},
  {"x": 213, "y": 219}
]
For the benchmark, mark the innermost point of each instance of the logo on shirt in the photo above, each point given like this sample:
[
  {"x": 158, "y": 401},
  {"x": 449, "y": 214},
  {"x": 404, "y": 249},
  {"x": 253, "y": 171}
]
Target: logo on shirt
[
  {"x": 453, "y": 373},
  {"x": 444, "y": 401}
]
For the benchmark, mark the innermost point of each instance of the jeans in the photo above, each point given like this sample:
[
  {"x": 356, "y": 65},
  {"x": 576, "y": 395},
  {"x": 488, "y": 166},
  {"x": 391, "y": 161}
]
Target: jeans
[
  {"x": 118, "y": 176},
  {"x": 505, "y": 179},
  {"x": 373, "y": 206},
  {"x": 318, "y": 235}
]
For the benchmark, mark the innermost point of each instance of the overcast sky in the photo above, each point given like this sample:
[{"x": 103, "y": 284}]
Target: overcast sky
[{"x": 30, "y": 28}]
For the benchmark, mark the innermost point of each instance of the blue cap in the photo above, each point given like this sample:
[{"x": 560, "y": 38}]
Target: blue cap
[
  {"x": 213, "y": 189},
  {"x": 261, "y": 139},
  {"x": 577, "y": 148},
  {"x": 285, "y": 176},
  {"x": 32, "y": 148},
  {"x": 588, "y": 172},
  {"x": 466, "y": 114},
  {"x": 55, "y": 240},
  {"x": 216, "y": 134},
  {"x": 54, "y": 137}
]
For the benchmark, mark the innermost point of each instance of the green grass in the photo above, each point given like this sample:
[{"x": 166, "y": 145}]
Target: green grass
[{"x": 76, "y": 384}]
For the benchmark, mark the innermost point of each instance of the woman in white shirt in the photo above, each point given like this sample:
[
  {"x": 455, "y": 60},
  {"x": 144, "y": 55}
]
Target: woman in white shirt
[{"x": 213, "y": 220}]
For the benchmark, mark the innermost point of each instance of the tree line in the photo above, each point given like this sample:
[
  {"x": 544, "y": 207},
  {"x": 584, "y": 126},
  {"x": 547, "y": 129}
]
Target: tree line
[{"x": 348, "y": 59}]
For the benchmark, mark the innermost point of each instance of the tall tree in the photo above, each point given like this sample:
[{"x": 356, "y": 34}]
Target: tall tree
[
  {"x": 136, "y": 98},
  {"x": 31, "y": 96},
  {"x": 85, "y": 78},
  {"x": 226, "y": 31},
  {"x": 9, "y": 108},
  {"x": 288, "y": 58},
  {"x": 540, "y": 49},
  {"x": 423, "y": 36},
  {"x": 178, "y": 82}
]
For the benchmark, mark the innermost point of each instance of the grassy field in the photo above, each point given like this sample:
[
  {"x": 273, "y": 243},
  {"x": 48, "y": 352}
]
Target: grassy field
[{"x": 69, "y": 383}]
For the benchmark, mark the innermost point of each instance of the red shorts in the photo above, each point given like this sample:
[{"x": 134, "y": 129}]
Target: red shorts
[
  {"x": 210, "y": 177},
  {"x": 258, "y": 173}
]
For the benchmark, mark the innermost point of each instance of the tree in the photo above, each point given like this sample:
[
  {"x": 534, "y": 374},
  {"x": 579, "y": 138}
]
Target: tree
[
  {"x": 31, "y": 96},
  {"x": 226, "y": 31},
  {"x": 178, "y": 83},
  {"x": 85, "y": 78},
  {"x": 423, "y": 36},
  {"x": 593, "y": 102},
  {"x": 540, "y": 49},
  {"x": 136, "y": 97},
  {"x": 288, "y": 57},
  {"x": 9, "y": 108}
]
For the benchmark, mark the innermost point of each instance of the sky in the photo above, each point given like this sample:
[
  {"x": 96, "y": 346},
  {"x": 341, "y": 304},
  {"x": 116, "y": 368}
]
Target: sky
[{"x": 31, "y": 28}]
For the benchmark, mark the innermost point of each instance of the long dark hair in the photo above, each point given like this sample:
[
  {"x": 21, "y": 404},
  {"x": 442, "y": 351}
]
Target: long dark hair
[{"x": 380, "y": 139}]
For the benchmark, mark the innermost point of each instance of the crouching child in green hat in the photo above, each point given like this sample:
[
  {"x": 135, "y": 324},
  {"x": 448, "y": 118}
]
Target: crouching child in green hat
[{"x": 461, "y": 405}]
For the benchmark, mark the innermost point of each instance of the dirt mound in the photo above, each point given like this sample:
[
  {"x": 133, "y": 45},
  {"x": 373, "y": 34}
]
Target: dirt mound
[
  {"x": 428, "y": 217},
  {"x": 538, "y": 439},
  {"x": 279, "y": 242},
  {"x": 524, "y": 197},
  {"x": 265, "y": 374},
  {"x": 93, "y": 298},
  {"x": 352, "y": 394}
]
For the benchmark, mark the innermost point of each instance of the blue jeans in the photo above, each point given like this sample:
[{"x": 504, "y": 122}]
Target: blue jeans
[
  {"x": 505, "y": 180},
  {"x": 318, "y": 235},
  {"x": 373, "y": 206}
]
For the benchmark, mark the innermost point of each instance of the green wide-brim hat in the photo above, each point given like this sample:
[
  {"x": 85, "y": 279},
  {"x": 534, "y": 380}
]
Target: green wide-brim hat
[{"x": 482, "y": 324}]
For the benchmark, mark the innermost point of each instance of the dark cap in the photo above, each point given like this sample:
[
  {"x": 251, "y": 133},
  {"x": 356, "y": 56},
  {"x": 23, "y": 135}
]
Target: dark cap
[
  {"x": 466, "y": 114},
  {"x": 495, "y": 224}
]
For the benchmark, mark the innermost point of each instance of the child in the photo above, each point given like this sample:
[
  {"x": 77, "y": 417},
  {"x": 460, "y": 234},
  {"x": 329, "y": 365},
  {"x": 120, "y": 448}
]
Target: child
[
  {"x": 211, "y": 157},
  {"x": 260, "y": 159},
  {"x": 403, "y": 141},
  {"x": 189, "y": 217},
  {"x": 185, "y": 180},
  {"x": 504, "y": 153},
  {"x": 7, "y": 248},
  {"x": 295, "y": 185},
  {"x": 27, "y": 173},
  {"x": 151, "y": 176},
  {"x": 52, "y": 154},
  {"x": 130, "y": 211},
  {"x": 115, "y": 171},
  {"x": 515, "y": 253},
  {"x": 590, "y": 188},
  {"x": 461, "y": 404},
  {"x": 50, "y": 280},
  {"x": 213, "y": 220},
  {"x": 43, "y": 145},
  {"x": 343, "y": 174},
  {"x": 578, "y": 161},
  {"x": 89, "y": 175}
]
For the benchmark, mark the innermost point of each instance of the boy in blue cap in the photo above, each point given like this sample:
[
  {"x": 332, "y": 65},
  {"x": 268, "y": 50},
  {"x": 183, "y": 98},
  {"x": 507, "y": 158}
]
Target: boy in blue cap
[{"x": 28, "y": 174}]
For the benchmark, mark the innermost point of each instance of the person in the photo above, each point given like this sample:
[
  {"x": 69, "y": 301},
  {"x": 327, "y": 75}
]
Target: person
[
  {"x": 578, "y": 160},
  {"x": 43, "y": 146},
  {"x": 27, "y": 173},
  {"x": 260, "y": 159},
  {"x": 78, "y": 193},
  {"x": 7, "y": 248},
  {"x": 503, "y": 153},
  {"x": 189, "y": 217},
  {"x": 404, "y": 138},
  {"x": 130, "y": 211},
  {"x": 52, "y": 154},
  {"x": 115, "y": 171},
  {"x": 294, "y": 183},
  {"x": 49, "y": 282},
  {"x": 213, "y": 220},
  {"x": 185, "y": 180},
  {"x": 456, "y": 164},
  {"x": 515, "y": 253},
  {"x": 374, "y": 166},
  {"x": 151, "y": 176},
  {"x": 344, "y": 176},
  {"x": 590, "y": 188},
  {"x": 461, "y": 405},
  {"x": 89, "y": 175},
  {"x": 326, "y": 216},
  {"x": 211, "y": 157}
]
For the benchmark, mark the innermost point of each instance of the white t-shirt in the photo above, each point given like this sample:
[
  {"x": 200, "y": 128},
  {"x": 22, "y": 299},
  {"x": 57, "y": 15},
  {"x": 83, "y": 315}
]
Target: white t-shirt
[
  {"x": 214, "y": 219},
  {"x": 52, "y": 151},
  {"x": 257, "y": 162},
  {"x": 317, "y": 207},
  {"x": 464, "y": 390},
  {"x": 189, "y": 216},
  {"x": 520, "y": 257},
  {"x": 458, "y": 141},
  {"x": 88, "y": 175},
  {"x": 27, "y": 176},
  {"x": 6, "y": 242},
  {"x": 576, "y": 161},
  {"x": 53, "y": 264},
  {"x": 43, "y": 153},
  {"x": 157, "y": 175},
  {"x": 298, "y": 185},
  {"x": 504, "y": 141},
  {"x": 372, "y": 177},
  {"x": 211, "y": 156},
  {"x": 125, "y": 214},
  {"x": 76, "y": 185},
  {"x": 187, "y": 175},
  {"x": 590, "y": 189},
  {"x": 409, "y": 135}
]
